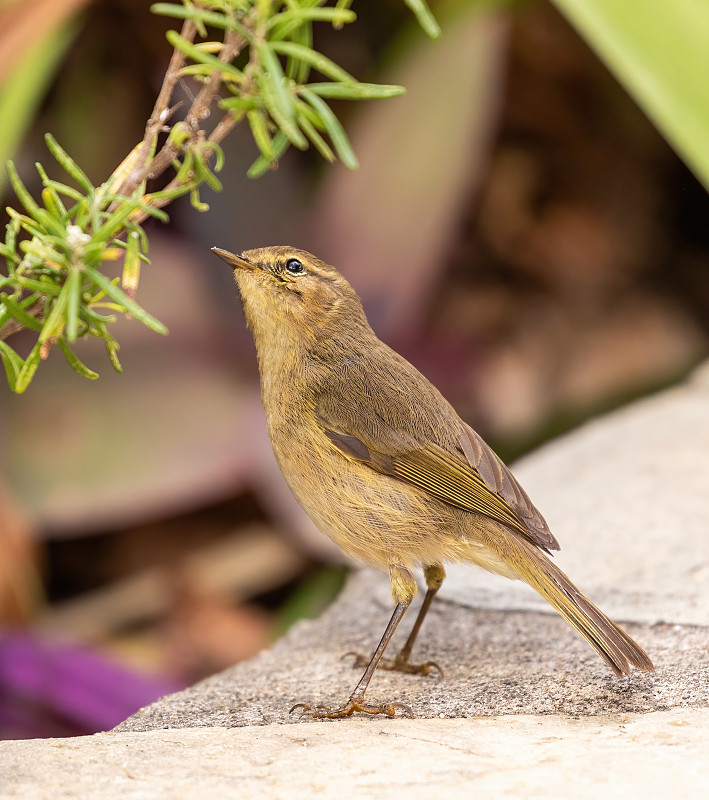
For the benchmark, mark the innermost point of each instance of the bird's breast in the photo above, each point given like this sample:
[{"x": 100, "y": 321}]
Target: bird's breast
[{"x": 373, "y": 517}]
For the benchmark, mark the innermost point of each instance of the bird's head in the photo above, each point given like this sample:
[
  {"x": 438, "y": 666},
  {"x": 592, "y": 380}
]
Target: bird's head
[{"x": 290, "y": 294}]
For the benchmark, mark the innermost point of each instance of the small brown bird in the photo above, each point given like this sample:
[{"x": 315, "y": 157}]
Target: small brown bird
[{"x": 383, "y": 464}]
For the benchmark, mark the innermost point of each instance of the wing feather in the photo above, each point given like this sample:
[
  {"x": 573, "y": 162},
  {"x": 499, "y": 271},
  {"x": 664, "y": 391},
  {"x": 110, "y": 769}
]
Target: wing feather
[
  {"x": 482, "y": 458},
  {"x": 491, "y": 491}
]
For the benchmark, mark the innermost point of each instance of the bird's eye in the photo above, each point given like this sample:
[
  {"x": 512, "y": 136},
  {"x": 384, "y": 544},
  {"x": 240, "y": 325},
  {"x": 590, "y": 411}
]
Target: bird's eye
[{"x": 294, "y": 266}]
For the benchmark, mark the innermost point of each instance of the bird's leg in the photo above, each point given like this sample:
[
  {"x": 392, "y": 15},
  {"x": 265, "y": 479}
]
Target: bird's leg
[
  {"x": 403, "y": 588},
  {"x": 434, "y": 575}
]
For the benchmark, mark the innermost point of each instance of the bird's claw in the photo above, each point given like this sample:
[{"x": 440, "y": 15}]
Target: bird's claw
[
  {"x": 359, "y": 659},
  {"x": 397, "y": 664},
  {"x": 324, "y": 712}
]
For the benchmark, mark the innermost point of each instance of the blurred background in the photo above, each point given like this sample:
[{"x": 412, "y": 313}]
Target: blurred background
[{"x": 518, "y": 229}]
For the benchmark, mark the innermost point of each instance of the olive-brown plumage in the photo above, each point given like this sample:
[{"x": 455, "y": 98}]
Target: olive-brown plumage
[{"x": 383, "y": 464}]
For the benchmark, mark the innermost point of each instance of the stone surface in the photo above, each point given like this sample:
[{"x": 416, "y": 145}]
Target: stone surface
[
  {"x": 526, "y": 708},
  {"x": 495, "y": 662},
  {"x": 661, "y": 755}
]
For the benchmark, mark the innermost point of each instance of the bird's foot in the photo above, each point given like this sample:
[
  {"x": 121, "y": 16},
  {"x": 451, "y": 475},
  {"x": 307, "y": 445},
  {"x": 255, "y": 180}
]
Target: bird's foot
[
  {"x": 400, "y": 663},
  {"x": 353, "y": 706}
]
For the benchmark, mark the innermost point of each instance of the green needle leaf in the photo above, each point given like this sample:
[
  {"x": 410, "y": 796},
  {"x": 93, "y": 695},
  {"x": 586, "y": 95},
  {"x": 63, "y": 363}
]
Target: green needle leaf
[
  {"x": 262, "y": 164},
  {"x": 334, "y": 128},
  {"x": 425, "y": 18},
  {"x": 199, "y": 55},
  {"x": 112, "y": 346},
  {"x": 269, "y": 91},
  {"x": 259, "y": 130},
  {"x": 272, "y": 77},
  {"x": 28, "y": 369},
  {"x": 314, "y": 59},
  {"x": 320, "y": 144},
  {"x": 55, "y": 322},
  {"x": 338, "y": 16},
  {"x": 18, "y": 312},
  {"x": 73, "y": 288},
  {"x": 213, "y": 18},
  {"x": 356, "y": 91},
  {"x": 23, "y": 195},
  {"x": 12, "y": 363},
  {"x": 68, "y": 163},
  {"x": 120, "y": 297},
  {"x": 75, "y": 362}
]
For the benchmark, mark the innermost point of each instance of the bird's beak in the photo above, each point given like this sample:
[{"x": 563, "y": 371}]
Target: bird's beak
[{"x": 233, "y": 261}]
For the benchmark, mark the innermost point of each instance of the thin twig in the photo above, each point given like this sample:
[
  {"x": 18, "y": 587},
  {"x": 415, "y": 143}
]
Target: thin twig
[
  {"x": 161, "y": 110},
  {"x": 200, "y": 108},
  {"x": 225, "y": 125}
]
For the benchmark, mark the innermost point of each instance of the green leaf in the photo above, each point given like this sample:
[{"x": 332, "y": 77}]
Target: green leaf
[
  {"x": 426, "y": 19},
  {"x": 62, "y": 188},
  {"x": 213, "y": 18},
  {"x": 27, "y": 223},
  {"x": 259, "y": 130},
  {"x": 67, "y": 162},
  {"x": 296, "y": 70},
  {"x": 334, "y": 129},
  {"x": 308, "y": 112},
  {"x": 356, "y": 91},
  {"x": 46, "y": 286},
  {"x": 321, "y": 63},
  {"x": 115, "y": 221},
  {"x": 660, "y": 52},
  {"x": 213, "y": 149},
  {"x": 320, "y": 144},
  {"x": 17, "y": 311},
  {"x": 23, "y": 195},
  {"x": 120, "y": 297},
  {"x": 171, "y": 194},
  {"x": 273, "y": 79},
  {"x": 73, "y": 288},
  {"x": 55, "y": 322},
  {"x": 112, "y": 346},
  {"x": 11, "y": 230},
  {"x": 196, "y": 202},
  {"x": 286, "y": 124},
  {"x": 196, "y": 69},
  {"x": 75, "y": 362},
  {"x": 93, "y": 319},
  {"x": 238, "y": 103},
  {"x": 199, "y": 55},
  {"x": 280, "y": 144},
  {"x": 337, "y": 15},
  {"x": 12, "y": 363},
  {"x": 28, "y": 369},
  {"x": 205, "y": 175},
  {"x": 7, "y": 253},
  {"x": 284, "y": 24}
]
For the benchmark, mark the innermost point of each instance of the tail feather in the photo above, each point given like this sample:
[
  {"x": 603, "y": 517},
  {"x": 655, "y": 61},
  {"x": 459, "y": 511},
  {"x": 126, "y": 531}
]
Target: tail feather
[{"x": 614, "y": 646}]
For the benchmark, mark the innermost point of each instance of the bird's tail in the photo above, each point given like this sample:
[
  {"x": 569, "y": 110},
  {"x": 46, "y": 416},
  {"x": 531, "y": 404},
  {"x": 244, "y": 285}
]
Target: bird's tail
[{"x": 614, "y": 646}]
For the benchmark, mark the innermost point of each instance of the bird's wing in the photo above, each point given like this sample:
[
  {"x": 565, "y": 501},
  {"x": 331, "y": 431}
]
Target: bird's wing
[
  {"x": 473, "y": 479},
  {"x": 500, "y": 480}
]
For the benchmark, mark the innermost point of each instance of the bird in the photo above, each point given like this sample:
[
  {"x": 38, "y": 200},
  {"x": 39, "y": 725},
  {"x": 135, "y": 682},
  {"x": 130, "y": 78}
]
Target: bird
[{"x": 384, "y": 466}]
